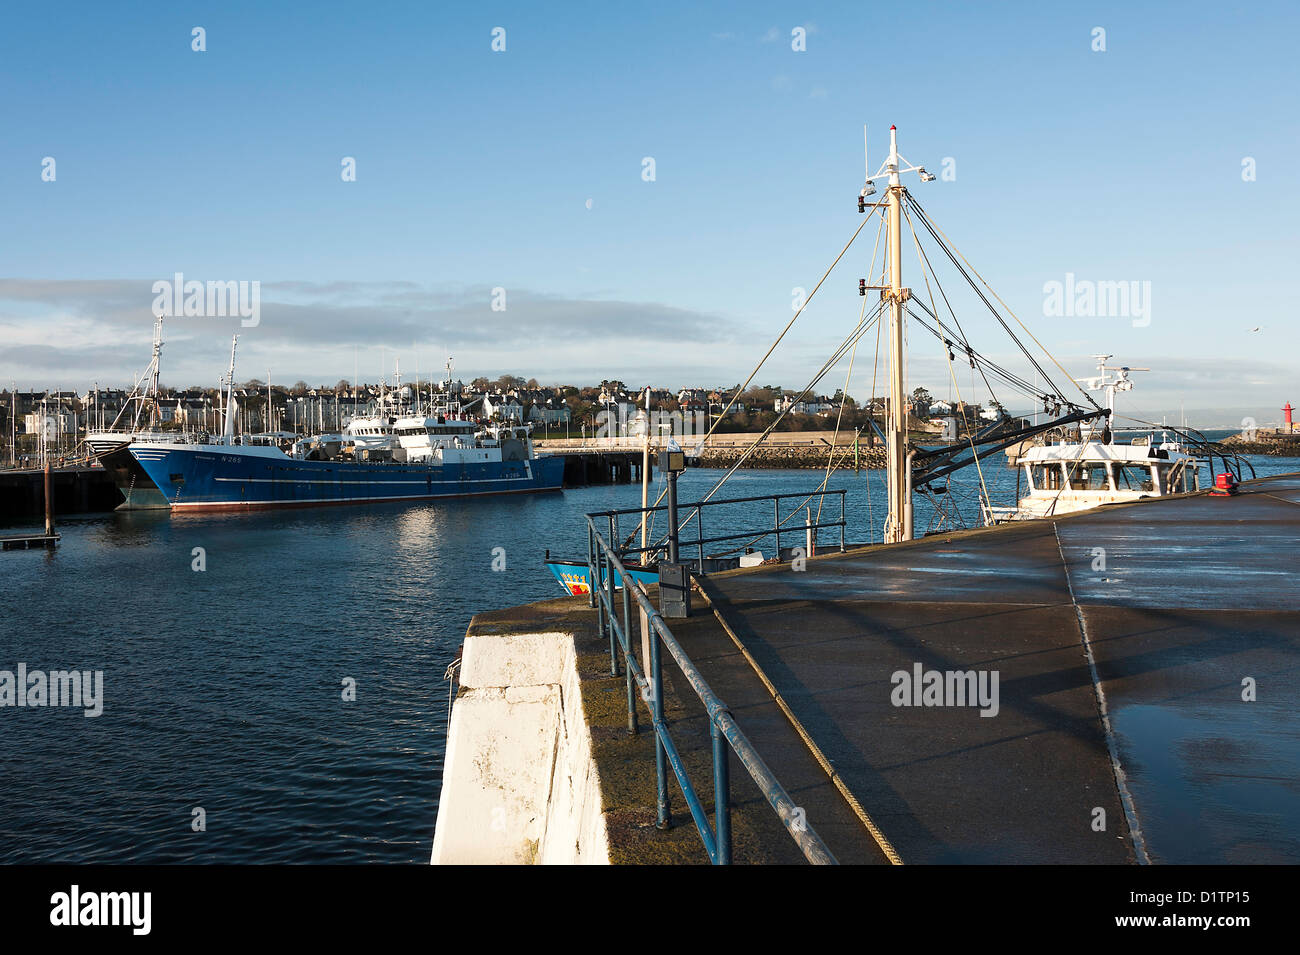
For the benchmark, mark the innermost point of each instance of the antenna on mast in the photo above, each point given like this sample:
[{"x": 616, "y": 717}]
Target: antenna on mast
[
  {"x": 1103, "y": 382},
  {"x": 868, "y": 187},
  {"x": 866, "y": 157}
]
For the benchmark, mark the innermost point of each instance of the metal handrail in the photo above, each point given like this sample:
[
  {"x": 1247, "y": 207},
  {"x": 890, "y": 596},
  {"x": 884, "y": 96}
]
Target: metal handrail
[
  {"x": 714, "y": 503},
  {"x": 611, "y": 517},
  {"x": 726, "y": 734}
]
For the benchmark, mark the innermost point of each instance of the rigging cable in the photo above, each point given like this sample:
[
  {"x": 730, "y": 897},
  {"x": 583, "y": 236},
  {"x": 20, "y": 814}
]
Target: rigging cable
[
  {"x": 944, "y": 243},
  {"x": 844, "y": 396},
  {"x": 740, "y": 390},
  {"x": 969, "y": 434}
]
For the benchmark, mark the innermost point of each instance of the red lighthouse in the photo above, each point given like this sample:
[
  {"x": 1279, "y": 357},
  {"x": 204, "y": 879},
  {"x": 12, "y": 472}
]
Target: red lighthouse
[{"x": 1286, "y": 415}]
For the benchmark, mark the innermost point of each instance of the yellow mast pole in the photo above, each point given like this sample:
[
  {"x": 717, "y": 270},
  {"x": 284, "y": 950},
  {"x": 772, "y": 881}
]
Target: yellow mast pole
[{"x": 899, "y": 525}]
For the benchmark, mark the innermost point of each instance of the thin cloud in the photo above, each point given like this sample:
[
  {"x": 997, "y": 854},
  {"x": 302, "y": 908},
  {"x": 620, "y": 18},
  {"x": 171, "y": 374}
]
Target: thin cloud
[{"x": 102, "y": 329}]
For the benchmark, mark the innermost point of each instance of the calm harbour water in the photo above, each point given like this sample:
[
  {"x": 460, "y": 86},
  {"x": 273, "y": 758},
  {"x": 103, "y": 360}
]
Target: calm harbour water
[{"x": 223, "y": 688}]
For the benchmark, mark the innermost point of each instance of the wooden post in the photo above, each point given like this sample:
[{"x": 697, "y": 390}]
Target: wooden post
[{"x": 49, "y": 502}]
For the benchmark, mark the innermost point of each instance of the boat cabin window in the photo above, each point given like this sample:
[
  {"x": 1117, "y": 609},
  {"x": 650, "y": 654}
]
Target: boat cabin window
[
  {"x": 1089, "y": 477},
  {"x": 1133, "y": 477},
  {"x": 1046, "y": 477}
]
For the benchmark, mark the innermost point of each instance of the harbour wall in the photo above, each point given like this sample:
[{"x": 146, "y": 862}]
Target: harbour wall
[
  {"x": 1282, "y": 446},
  {"x": 619, "y": 461},
  {"x": 78, "y": 490},
  {"x": 519, "y": 782},
  {"x": 790, "y": 456}
]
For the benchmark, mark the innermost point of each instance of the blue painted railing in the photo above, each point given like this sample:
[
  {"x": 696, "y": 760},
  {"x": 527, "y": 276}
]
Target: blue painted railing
[
  {"x": 726, "y": 734},
  {"x": 696, "y": 516}
]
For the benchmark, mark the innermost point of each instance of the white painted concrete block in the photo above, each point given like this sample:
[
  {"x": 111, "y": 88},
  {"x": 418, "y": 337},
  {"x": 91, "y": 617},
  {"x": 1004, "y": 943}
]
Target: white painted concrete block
[{"x": 519, "y": 782}]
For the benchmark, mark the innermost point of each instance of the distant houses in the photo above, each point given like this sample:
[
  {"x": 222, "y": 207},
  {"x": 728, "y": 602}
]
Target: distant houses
[
  {"x": 811, "y": 405},
  {"x": 551, "y": 412},
  {"x": 505, "y": 407}
]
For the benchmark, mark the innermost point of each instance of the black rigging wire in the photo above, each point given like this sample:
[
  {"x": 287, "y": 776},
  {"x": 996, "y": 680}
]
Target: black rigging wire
[
  {"x": 1021, "y": 385},
  {"x": 925, "y": 221}
]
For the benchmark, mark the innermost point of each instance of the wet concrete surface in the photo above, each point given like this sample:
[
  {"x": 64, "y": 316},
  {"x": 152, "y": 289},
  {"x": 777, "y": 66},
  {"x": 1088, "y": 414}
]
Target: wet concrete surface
[{"x": 1186, "y": 604}]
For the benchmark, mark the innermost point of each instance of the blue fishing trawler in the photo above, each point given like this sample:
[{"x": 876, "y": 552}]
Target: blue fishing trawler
[
  {"x": 396, "y": 454},
  {"x": 214, "y": 477}
]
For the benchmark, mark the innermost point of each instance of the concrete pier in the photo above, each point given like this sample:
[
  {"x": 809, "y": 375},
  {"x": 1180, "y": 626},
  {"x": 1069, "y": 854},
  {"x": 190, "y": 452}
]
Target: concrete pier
[{"x": 1147, "y": 708}]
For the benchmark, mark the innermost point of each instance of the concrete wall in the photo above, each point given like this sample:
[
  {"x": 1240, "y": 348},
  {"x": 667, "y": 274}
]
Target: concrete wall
[{"x": 519, "y": 783}]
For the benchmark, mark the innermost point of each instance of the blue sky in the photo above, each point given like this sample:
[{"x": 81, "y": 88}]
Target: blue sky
[{"x": 474, "y": 169}]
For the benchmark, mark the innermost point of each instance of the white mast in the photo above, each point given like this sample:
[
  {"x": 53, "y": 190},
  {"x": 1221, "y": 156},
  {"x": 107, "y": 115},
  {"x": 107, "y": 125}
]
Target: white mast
[
  {"x": 1103, "y": 382},
  {"x": 228, "y": 436},
  {"x": 150, "y": 397},
  {"x": 157, "y": 354},
  {"x": 447, "y": 402}
]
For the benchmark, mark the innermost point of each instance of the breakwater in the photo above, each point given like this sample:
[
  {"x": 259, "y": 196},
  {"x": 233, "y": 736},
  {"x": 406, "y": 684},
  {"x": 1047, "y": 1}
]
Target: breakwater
[
  {"x": 791, "y": 457},
  {"x": 614, "y": 460},
  {"x": 1274, "y": 448}
]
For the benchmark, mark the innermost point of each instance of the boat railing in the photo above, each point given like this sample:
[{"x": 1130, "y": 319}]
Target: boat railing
[
  {"x": 644, "y": 678},
  {"x": 695, "y": 511}
]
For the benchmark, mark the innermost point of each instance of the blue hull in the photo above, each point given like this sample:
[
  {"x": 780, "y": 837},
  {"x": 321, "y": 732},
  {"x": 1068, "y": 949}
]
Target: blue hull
[
  {"x": 218, "y": 478},
  {"x": 575, "y": 577}
]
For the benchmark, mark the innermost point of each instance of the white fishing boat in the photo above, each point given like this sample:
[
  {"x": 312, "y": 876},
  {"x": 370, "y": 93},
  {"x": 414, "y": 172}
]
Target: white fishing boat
[
  {"x": 141, "y": 414},
  {"x": 1065, "y": 452},
  {"x": 1090, "y": 468},
  {"x": 138, "y": 423}
]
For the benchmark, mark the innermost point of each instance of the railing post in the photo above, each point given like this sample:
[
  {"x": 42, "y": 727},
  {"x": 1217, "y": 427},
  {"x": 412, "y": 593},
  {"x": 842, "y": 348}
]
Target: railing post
[
  {"x": 613, "y": 616},
  {"x": 672, "y": 517},
  {"x": 591, "y": 563},
  {"x": 699, "y": 534},
  {"x": 721, "y": 795},
  {"x": 776, "y": 524},
  {"x": 663, "y": 818},
  {"x": 627, "y": 652},
  {"x": 600, "y": 604},
  {"x": 843, "y": 522}
]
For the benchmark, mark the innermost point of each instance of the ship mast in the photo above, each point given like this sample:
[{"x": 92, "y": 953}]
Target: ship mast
[
  {"x": 1103, "y": 382},
  {"x": 228, "y": 435},
  {"x": 898, "y": 526},
  {"x": 148, "y": 402}
]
